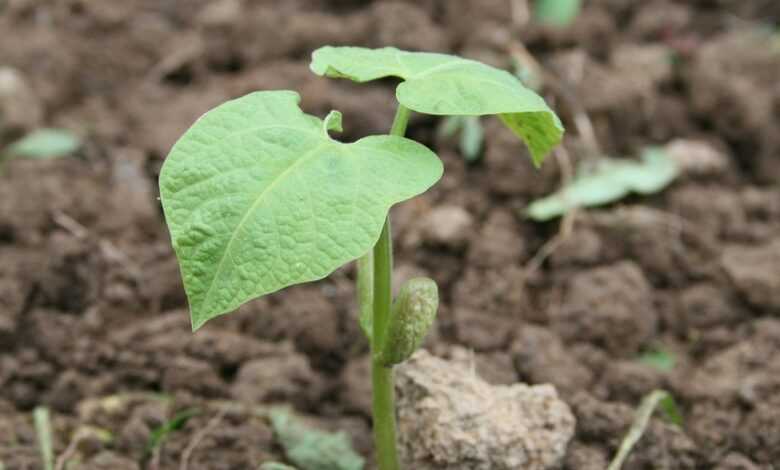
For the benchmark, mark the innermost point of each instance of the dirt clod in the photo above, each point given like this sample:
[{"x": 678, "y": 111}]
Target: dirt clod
[
  {"x": 697, "y": 158},
  {"x": 287, "y": 378},
  {"x": 755, "y": 270},
  {"x": 761, "y": 439},
  {"x": 487, "y": 427},
  {"x": 540, "y": 357},
  {"x": 611, "y": 306}
]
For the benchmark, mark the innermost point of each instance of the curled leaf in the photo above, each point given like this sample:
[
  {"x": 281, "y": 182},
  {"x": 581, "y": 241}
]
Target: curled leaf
[
  {"x": 447, "y": 85},
  {"x": 413, "y": 313}
]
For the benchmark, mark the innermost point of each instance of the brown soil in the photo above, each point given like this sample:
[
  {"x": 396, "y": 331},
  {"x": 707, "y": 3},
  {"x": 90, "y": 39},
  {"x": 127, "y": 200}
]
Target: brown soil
[{"x": 93, "y": 320}]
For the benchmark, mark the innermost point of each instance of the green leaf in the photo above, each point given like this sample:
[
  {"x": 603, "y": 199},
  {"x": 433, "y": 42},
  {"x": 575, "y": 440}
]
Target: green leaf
[
  {"x": 558, "y": 13},
  {"x": 258, "y": 197},
  {"x": 609, "y": 181},
  {"x": 660, "y": 360},
  {"x": 311, "y": 449},
  {"x": 45, "y": 143},
  {"x": 671, "y": 410},
  {"x": 447, "y": 85}
]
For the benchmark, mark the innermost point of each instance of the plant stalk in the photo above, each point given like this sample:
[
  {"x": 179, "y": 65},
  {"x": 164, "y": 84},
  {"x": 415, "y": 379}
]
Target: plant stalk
[{"x": 383, "y": 405}]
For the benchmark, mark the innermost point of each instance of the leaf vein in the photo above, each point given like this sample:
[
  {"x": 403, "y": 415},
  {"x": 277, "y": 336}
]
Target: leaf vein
[{"x": 220, "y": 266}]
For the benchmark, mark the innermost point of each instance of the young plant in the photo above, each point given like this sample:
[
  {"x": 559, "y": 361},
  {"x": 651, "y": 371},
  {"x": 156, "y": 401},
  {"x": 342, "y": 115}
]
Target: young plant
[
  {"x": 42, "y": 144},
  {"x": 258, "y": 196}
]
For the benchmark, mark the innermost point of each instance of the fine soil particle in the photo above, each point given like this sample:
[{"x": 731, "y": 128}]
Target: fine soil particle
[{"x": 93, "y": 318}]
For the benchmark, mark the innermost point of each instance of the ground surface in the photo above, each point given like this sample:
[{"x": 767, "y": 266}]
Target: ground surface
[{"x": 91, "y": 304}]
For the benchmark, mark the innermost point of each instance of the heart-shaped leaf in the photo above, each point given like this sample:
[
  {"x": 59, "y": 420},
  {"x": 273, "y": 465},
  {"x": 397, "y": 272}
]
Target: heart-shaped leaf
[
  {"x": 448, "y": 85},
  {"x": 258, "y": 197}
]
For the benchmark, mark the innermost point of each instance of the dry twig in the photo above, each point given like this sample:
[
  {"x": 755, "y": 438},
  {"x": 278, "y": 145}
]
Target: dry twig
[{"x": 198, "y": 438}]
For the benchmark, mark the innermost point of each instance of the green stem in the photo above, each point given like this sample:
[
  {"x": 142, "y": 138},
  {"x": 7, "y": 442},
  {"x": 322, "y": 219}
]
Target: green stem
[
  {"x": 400, "y": 121},
  {"x": 365, "y": 288},
  {"x": 382, "y": 377},
  {"x": 42, "y": 422},
  {"x": 383, "y": 406}
]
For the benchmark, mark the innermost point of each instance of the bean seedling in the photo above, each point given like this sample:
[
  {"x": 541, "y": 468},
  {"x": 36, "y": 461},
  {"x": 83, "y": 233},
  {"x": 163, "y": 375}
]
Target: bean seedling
[{"x": 258, "y": 196}]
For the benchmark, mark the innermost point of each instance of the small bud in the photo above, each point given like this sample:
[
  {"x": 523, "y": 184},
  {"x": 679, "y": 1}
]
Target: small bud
[{"x": 413, "y": 313}]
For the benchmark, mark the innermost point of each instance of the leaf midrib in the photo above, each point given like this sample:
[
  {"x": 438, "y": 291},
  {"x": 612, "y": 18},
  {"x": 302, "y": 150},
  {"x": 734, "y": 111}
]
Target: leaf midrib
[
  {"x": 439, "y": 68},
  {"x": 305, "y": 157}
]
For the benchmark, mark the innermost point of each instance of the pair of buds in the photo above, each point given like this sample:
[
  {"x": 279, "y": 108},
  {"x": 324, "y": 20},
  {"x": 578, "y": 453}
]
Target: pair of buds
[{"x": 412, "y": 315}]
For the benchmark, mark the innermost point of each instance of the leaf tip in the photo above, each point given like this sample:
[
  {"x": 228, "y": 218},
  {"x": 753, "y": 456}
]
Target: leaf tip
[
  {"x": 329, "y": 61},
  {"x": 196, "y": 321},
  {"x": 321, "y": 63}
]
